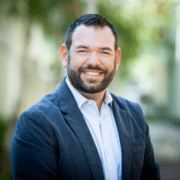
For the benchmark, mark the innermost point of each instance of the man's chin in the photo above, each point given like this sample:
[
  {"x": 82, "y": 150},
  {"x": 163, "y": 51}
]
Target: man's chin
[{"x": 92, "y": 88}]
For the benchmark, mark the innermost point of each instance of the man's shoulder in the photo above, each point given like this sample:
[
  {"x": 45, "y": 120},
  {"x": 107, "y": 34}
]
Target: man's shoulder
[
  {"x": 132, "y": 109},
  {"x": 48, "y": 103},
  {"x": 126, "y": 104},
  {"x": 49, "y": 106},
  {"x": 39, "y": 122}
]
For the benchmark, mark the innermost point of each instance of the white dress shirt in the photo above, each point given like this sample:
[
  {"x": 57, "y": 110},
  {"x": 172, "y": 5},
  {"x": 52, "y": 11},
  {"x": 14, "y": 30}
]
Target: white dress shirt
[{"x": 104, "y": 132}]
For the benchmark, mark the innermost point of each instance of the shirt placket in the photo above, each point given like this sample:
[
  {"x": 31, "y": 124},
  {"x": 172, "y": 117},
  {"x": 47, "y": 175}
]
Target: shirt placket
[{"x": 109, "y": 159}]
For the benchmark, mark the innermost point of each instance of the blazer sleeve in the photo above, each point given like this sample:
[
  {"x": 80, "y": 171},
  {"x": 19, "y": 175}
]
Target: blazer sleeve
[
  {"x": 151, "y": 169},
  {"x": 144, "y": 166},
  {"x": 33, "y": 151}
]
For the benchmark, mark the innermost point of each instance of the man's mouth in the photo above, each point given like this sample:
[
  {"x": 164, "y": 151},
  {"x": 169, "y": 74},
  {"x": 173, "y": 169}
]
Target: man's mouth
[{"x": 93, "y": 73}]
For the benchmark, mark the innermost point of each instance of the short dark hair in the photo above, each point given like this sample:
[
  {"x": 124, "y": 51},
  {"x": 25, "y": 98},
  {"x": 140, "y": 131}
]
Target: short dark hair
[{"x": 89, "y": 20}]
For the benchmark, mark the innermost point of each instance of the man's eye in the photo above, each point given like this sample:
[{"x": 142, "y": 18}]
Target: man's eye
[
  {"x": 82, "y": 51},
  {"x": 105, "y": 52}
]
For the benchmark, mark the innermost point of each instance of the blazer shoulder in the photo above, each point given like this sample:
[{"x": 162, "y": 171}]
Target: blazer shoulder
[
  {"x": 44, "y": 111},
  {"x": 127, "y": 105},
  {"x": 40, "y": 122},
  {"x": 48, "y": 109},
  {"x": 133, "y": 110}
]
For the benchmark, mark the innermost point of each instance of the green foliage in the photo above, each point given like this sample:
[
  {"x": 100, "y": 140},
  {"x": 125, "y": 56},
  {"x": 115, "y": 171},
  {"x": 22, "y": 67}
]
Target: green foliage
[
  {"x": 5, "y": 171},
  {"x": 2, "y": 132},
  {"x": 142, "y": 28},
  {"x": 139, "y": 24},
  {"x": 126, "y": 30},
  {"x": 54, "y": 15}
]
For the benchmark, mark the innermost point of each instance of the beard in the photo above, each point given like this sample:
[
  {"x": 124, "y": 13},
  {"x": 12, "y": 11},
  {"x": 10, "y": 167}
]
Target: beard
[{"x": 92, "y": 86}]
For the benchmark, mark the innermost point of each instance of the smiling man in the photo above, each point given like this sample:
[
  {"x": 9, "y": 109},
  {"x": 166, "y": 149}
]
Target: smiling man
[
  {"x": 91, "y": 60},
  {"x": 81, "y": 131}
]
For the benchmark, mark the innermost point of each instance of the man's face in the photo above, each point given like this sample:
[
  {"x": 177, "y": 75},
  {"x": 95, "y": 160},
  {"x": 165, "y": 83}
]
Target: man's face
[{"x": 92, "y": 59}]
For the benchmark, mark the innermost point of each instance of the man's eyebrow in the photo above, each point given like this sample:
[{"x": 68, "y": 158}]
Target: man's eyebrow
[
  {"x": 81, "y": 46},
  {"x": 106, "y": 48}
]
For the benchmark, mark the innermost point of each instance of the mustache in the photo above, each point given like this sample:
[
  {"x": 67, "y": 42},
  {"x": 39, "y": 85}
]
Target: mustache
[{"x": 95, "y": 68}]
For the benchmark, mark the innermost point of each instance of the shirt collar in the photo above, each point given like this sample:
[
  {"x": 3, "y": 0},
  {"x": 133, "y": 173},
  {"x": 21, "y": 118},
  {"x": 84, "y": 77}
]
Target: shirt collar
[
  {"x": 108, "y": 98},
  {"x": 80, "y": 99}
]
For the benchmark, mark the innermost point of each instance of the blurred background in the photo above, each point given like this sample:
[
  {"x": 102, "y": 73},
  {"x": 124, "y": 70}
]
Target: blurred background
[{"x": 31, "y": 33}]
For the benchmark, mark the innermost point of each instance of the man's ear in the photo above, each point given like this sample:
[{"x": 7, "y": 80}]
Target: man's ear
[
  {"x": 64, "y": 55},
  {"x": 118, "y": 58}
]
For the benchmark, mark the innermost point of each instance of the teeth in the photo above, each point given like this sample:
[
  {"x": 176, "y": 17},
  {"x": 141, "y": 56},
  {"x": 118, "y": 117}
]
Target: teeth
[{"x": 93, "y": 73}]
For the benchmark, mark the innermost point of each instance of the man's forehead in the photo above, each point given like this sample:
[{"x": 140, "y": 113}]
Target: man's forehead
[{"x": 83, "y": 32}]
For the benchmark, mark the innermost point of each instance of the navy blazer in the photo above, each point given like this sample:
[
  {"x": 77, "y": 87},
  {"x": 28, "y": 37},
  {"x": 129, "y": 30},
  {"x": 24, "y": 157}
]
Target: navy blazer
[{"x": 52, "y": 141}]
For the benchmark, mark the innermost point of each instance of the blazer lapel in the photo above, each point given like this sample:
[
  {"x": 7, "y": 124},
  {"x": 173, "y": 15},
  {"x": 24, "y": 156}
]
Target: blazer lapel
[
  {"x": 123, "y": 126},
  {"x": 75, "y": 119}
]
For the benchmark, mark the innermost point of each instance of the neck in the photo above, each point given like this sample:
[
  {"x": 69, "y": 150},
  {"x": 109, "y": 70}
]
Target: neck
[{"x": 97, "y": 97}]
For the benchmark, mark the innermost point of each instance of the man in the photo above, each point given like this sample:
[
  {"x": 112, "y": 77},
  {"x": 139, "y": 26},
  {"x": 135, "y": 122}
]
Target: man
[{"x": 81, "y": 131}]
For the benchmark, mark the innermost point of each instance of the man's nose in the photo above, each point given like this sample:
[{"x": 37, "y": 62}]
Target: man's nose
[{"x": 93, "y": 58}]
